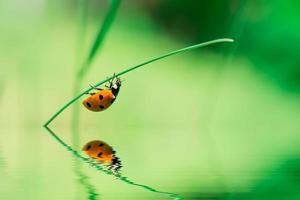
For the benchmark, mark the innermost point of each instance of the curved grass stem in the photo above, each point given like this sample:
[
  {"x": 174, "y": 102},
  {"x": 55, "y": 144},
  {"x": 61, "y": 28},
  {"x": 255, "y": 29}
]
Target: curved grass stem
[{"x": 135, "y": 67}]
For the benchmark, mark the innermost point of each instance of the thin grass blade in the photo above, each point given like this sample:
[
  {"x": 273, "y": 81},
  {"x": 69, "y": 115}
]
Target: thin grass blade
[
  {"x": 106, "y": 25},
  {"x": 136, "y": 67}
]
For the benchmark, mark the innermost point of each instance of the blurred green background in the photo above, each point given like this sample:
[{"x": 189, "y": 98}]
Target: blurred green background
[{"x": 221, "y": 122}]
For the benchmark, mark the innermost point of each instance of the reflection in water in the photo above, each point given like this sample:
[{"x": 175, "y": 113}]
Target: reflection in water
[
  {"x": 103, "y": 153},
  {"x": 84, "y": 180},
  {"x": 107, "y": 171}
]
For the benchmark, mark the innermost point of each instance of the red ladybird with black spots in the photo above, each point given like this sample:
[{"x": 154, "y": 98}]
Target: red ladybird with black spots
[{"x": 104, "y": 98}]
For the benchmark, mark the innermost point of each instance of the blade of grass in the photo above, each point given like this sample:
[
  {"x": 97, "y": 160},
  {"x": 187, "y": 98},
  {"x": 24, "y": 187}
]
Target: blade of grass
[
  {"x": 100, "y": 36},
  {"x": 135, "y": 67}
]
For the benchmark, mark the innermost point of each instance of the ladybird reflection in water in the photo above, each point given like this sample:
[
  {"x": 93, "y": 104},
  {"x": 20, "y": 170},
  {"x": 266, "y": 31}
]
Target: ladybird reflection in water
[{"x": 103, "y": 153}]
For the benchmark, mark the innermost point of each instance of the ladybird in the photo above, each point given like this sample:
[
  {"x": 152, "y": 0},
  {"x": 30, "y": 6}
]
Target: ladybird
[
  {"x": 104, "y": 98},
  {"x": 103, "y": 153}
]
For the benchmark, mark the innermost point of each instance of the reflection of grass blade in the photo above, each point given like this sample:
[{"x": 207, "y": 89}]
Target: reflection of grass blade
[
  {"x": 101, "y": 35},
  {"x": 84, "y": 180},
  {"x": 135, "y": 67},
  {"x": 100, "y": 168}
]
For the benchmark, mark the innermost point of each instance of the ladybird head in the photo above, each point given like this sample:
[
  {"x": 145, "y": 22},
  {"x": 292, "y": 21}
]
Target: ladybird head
[{"x": 115, "y": 86}]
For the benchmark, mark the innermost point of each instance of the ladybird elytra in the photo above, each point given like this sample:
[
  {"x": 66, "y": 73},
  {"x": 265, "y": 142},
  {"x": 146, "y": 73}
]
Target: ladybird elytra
[{"x": 104, "y": 98}]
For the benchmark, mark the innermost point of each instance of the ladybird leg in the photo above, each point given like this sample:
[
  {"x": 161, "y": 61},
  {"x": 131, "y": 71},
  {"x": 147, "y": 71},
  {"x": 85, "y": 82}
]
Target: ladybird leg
[
  {"x": 119, "y": 81},
  {"x": 114, "y": 76},
  {"x": 108, "y": 82},
  {"x": 92, "y": 86},
  {"x": 90, "y": 93},
  {"x": 95, "y": 88},
  {"x": 107, "y": 86},
  {"x": 111, "y": 81}
]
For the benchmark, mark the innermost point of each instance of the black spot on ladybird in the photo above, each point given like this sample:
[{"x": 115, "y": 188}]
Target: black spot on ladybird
[
  {"x": 101, "y": 144},
  {"x": 100, "y": 154},
  {"x": 102, "y": 107},
  {"x": 88, "y": 147},
  {"x": 88, "y": 104},
  {"x": 101, "y": 97}
]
